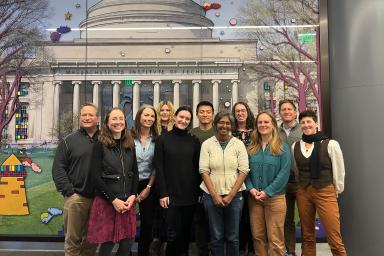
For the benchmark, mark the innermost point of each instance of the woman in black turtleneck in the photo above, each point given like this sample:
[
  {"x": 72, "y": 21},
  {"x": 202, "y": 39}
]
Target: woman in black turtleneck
[{"x": 177, "y": 169}]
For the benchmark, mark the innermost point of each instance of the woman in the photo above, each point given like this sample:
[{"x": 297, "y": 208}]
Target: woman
[
  {"x": 145, "y": 133},
  {"x": 113, "y": 214},
  {"x": 320, "y": 165},
  {"x": 177, "y": 177},
  {"x": 244, "y": 121},
  {"x": 223, "y": 167},
  {"x": 165, "y": 112},
  {"x": 270, "y": 165}
]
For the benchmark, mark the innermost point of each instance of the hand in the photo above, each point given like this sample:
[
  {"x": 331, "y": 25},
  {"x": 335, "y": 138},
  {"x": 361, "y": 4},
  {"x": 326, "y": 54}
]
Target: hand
[
  {"x": 130, "y": 201},
  {"x": 261, "y": 196},
  {"x": 253, "y": 193},
  {"x": 164, "y": 202},
  {"x": 143, "y": 194},
  {"x": 218, "y": 200},
  {"x": 228, "y": 199},
  {"x": 119, "y": 205}
]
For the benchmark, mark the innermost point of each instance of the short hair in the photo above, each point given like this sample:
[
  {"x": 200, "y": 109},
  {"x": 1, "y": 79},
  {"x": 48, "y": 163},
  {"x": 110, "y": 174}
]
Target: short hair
[
  {"x": 89, "y": 104},
  {"x": 204, "y": 103},
  {"x": 308, "y": 113},
  {"x": 286, "y": 101},
  {"x": 222, "y": 114},
  {"x": 185, "y": 108}
]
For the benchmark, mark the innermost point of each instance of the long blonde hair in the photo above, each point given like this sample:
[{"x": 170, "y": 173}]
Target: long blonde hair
[
  {"x": 171, "y": 120},
  {"x": 275, "y": 144}
]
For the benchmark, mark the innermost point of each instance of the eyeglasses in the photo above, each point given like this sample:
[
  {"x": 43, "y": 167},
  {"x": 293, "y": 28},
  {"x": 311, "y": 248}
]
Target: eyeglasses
[{"x": 241, "y": 111}]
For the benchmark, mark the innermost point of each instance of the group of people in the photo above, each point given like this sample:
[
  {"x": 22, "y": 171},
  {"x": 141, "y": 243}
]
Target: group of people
[{"x": 233, "y": 180}]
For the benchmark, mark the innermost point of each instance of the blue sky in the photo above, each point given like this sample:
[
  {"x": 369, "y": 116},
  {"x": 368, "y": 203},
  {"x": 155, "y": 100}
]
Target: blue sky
[{"x": 229, "y": 9}]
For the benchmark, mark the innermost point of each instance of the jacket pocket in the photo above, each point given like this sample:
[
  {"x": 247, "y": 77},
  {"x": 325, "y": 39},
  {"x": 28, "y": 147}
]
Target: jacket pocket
[{"x": 113, "y": 182}]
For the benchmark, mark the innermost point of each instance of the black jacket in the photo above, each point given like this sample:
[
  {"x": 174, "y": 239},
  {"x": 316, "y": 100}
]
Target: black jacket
[
  {"x": 116, "y": 173},
  {"x": 71, "y": 166}
]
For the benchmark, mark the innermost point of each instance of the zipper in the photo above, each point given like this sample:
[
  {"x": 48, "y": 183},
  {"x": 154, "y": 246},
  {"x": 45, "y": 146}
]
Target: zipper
[{"x": 122, "y": 165}]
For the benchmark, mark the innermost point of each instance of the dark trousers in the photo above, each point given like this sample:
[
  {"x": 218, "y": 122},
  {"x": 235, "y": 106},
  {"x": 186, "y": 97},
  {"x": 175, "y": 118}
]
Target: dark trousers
[
  {"x": 289, "y": 225},
  {"x": 201, "y": 230},
  {"x": 245, "y": 235},
  {"x": 179, "y": 222},
  {"x": 147, "y": 213}
]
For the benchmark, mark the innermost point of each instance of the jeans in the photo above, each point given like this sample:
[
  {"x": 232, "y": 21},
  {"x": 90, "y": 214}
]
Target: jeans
[{"x": 224, "y": 225}]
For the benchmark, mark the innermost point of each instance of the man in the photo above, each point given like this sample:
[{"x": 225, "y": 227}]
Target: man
[
  {"x": 71, "y": 174},
  {"x": 290, "y": 132},
  {"x": 204, "y": 112}
]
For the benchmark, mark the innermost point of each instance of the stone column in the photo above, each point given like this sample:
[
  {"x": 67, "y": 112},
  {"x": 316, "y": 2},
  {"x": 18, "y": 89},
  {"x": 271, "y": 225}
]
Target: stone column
[
  {"x": 215, "y": 94},
  {"x": 135, "y": 98},
  {"x": 235, "y": 91},
  {"x": 56, "y": 105},
  {"x": 176, "y": 93},
  {"x": 115, "y": 93},
  {"x": 196, "y": 99},
  {"x": 96, "y": 93},
  {"x": 76, "y": 99},
  {"x": 156, "y": 92}
]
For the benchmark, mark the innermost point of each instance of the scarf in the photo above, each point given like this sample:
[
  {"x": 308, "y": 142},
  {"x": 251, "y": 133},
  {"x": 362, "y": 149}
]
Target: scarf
[{"x": 314, "y": 161}]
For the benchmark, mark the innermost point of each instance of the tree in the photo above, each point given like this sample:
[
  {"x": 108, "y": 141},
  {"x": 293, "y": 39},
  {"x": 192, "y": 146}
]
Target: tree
[
  {"x": 282, "y": 53},
  {"x": 21, "y": 25}
]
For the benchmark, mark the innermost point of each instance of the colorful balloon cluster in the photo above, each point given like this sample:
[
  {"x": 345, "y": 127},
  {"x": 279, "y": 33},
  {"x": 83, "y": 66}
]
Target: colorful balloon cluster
[
  {"x": 55, "y": 36},
  {"x": 208, "y": 6}
]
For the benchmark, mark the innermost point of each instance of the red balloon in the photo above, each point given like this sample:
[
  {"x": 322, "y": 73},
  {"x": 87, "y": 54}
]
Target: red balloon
[{"x": 215, "y": 6}]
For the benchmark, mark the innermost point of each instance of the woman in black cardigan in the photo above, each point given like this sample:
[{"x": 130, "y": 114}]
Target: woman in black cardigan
[{"x": 177, "y": 168}]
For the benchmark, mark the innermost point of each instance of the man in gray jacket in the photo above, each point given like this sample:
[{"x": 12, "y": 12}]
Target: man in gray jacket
[
  {"x": 71, "y": 174},
  {"x": 290, "y": 132}
]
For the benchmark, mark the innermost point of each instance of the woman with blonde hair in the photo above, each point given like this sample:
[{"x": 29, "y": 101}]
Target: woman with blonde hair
[
  {"x": 166, "y": 112},
  {"x": 270, "y": 165}
]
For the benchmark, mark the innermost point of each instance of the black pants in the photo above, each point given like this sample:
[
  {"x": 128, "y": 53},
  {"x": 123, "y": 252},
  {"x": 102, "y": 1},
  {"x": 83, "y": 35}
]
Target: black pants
[
  {"x": 201, "y": 230},
  {"x": 147, "y": 213},
  {"x": 179, "y": 222},
  {"x": 124, "y": 248},
  {"x": 245, "y": 235}
]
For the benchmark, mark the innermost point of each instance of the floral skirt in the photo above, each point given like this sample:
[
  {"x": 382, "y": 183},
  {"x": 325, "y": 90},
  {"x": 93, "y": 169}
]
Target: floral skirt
[{"x": 106, "y": 224}]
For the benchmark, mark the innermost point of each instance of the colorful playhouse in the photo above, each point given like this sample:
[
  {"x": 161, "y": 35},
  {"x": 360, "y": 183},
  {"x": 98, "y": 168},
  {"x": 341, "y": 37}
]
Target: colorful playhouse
[{"x": 13, "y": 200}]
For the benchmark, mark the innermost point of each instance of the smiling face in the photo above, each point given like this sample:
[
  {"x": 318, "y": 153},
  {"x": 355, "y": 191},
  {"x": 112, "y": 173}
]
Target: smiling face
[
  {"x": 241, "y": 113},
  {"x": 183, "y": 119},
  {"x": 88, "y": 117},
  {"x": 205, "y": 114},
  {"x": 223, "y": 127},
  {"x": 308, "y": 125},
  {"x": 164, "y": 113},
  {"x": 287, "y": 113},
  {"x": 147, "y": 118},
  {"x": 116, "y": 122},
  {"x": 264, "y": 124}
]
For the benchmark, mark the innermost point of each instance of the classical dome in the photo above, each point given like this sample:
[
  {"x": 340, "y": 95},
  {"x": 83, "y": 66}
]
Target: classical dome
[{"x": 146, "y": 19}]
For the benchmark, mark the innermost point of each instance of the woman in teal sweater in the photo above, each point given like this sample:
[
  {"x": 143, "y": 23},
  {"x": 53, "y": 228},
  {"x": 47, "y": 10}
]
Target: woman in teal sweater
[{"x": 270, "y": 165}]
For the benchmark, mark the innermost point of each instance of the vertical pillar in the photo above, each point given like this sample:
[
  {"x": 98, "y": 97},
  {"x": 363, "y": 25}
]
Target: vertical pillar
[
  {"x": 235, "y": 91},
  {"x": 196, "y": 99},
  {"x": 176, "y": 93},
  {"x": 56, "y": 105},
  {"x": 357, "y": 89},
  {"x": 96, "y": 93},
  {"x": 156, "y": 93},
  {"x": 135, "y": 97},
  {"x": 76, "y": 99},
  {"x": 115, "y": 93},
  {"x": 215, "y": 94}
]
